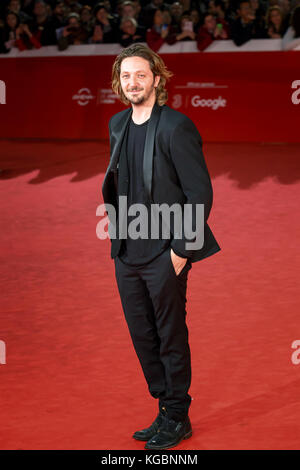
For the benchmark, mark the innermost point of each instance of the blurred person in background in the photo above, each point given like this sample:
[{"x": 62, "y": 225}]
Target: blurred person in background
[
  {"x": 104, "y": 30},
  {"x": 72, "y": 6},
  {"x": 8, "y": 32},
  {"x": 43, "y": 23},
  {"x": 186, "y": 28},
  {"x": 275, "y": 26},
  {"x": 128, "y": 10},
  {"x": 160, "y": 32},
  {"x": 246, "y": 27},
  {"x": 259, "y": 12},
  {"x": 186, "y": 4},
  {"x": 176, "y": 11},
  {"x": 27, "y": 6},
  {"x": 196, "y": 19},
  {"x": 59, "y": 17},
  {"x": 217, "y": 8},
  {"x": 110, "y": 7},
  {"x": 71, "y": 34},
  {"x": 132, "y": 9},
  {"x": 27, "y": 39},
  {"x": 291, "y": 39},
  {"x": 131, "y": 32},
  {"x": 285, "y": 6},
  {"x": 167, "y": 15},
  {"x": 212, "y": 29},
  {"x": 148, "y": 11},
  {"x": 15, "y": 6},
  {"x": 138, "y": 13},
  {"x": 86, "y": 18}
]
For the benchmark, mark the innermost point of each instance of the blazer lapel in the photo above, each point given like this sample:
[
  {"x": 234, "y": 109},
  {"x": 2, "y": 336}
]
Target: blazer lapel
[
  {"x": 118, "y": 135},
  {"x": 149, "y": 149}
]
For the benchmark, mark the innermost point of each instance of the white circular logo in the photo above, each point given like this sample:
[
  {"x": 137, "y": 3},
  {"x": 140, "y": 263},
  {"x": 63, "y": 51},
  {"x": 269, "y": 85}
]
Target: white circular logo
[{"x": 83, "y": 96}]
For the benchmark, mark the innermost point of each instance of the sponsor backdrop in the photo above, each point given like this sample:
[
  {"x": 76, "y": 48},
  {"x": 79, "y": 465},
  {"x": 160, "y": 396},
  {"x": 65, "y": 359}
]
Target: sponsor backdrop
[{"x": 246, "y": 96}]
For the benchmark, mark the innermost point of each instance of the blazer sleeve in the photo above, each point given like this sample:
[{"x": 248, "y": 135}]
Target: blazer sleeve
[{"x": 188, "y": 159}]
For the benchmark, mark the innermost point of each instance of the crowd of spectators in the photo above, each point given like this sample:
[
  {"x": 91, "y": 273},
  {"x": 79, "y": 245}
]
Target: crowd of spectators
[{"x": 28, "y": 24}]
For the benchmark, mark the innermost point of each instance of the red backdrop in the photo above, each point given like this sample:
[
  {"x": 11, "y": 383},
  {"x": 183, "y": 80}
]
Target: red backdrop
[{"x": 244, "y": 96}]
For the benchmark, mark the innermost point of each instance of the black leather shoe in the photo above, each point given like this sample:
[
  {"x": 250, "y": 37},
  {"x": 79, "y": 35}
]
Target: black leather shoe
[
  {"x": 170, "y": 433},
  {"x": 146, "y": 434}
]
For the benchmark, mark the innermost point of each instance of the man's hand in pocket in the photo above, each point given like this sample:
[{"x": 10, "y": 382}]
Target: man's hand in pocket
[{"x": 178, "y": 262}]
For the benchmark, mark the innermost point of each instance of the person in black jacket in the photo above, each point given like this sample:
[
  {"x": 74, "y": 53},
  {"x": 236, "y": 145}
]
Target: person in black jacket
[
  {"x": 8, "y": 32},
  {"x": 246, "y": 26},
  {"x": 130, "y": 32},
  {"x": 104, "y": 29},
  {"x": 157, "y": 162},
  {"x": 71, "y": 34},
  {"x": 43, "y": 23}
]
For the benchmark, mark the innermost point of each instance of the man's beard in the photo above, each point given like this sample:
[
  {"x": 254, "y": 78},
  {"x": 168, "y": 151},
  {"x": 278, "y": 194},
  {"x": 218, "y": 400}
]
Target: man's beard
[{"x": 139, "y": 99}]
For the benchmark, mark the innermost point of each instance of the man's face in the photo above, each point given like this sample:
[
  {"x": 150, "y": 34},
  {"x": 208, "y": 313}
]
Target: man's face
[
  {"x": 176, "y": 9},
  {"x": 211, "y": 6},
  {"x": 59, "y": 9},
  {"x": 11, "y": 20},
  {"x": 244, "y": 10},
  {"x": 275, "y": 17},
  {"x": 158, "y": 17},
  {"x": 128, "y": 10},
  {"x": 85, "y": 15},
  {"x": 101, "y": 14},
  {"x": 137, "y": 80},
  {"x": 107, "y": 4},
  {"x": 128, "y": 27},
  {"x": 195, "y": 16},
  {"x": 14, "y": 5},
  {"x": 254, "y": 4},
  {"x": 73, "y": 22},
  {"x": 210, "y": 23},
  {"x": 40, "y": 9}
]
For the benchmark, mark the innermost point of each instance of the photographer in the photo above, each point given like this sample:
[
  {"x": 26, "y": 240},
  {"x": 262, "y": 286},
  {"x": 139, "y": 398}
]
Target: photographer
[
  {"x": 26, "y": 39},
  {"x": 186, "y": 29},
  {"x": 71, "y": 34},
  {"x": 212, "y": 29}
]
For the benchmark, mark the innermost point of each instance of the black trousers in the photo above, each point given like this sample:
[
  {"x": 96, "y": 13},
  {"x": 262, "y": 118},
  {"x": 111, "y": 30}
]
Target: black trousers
[{"x": 153, "y": 298}]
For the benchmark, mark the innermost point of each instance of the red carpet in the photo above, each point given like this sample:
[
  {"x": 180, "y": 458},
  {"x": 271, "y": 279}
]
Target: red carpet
[{"x": 72, "y": 379}]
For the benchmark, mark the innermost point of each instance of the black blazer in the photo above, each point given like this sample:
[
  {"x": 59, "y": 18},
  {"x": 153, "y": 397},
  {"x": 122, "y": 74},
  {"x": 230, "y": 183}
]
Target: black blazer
[{"x": 174, "y": 171}]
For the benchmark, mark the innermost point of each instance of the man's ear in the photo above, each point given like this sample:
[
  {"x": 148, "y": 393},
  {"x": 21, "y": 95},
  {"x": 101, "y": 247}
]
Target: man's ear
[{"x": 157, "y": 80}]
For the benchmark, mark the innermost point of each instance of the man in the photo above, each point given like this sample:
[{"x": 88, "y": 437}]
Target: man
[
  {"x": 43, "y": 25},
  {"x": 130, "y": 32},
  {"x": 246, "y": 26},
  {"x": 15, "y": 6},
  {"x": 212, "y": 29},
  {"x": 156, "y": 158}
]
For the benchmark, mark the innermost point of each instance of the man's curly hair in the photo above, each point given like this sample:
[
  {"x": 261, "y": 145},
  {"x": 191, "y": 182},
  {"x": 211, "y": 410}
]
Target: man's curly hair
[{"x": 157, "y": 67}]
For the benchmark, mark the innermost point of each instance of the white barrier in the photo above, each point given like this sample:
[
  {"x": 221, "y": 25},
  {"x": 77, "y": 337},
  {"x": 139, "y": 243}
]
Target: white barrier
[{"x": 179, "y": 47}]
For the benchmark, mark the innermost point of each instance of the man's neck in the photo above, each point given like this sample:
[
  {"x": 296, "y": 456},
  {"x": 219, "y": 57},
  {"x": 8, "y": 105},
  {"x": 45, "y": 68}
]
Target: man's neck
[{"x": 141, "y": 113}]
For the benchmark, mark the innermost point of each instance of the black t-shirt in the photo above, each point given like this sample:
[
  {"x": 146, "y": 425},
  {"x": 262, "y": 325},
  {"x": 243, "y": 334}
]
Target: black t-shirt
[{"x": 139, "y": 251}]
